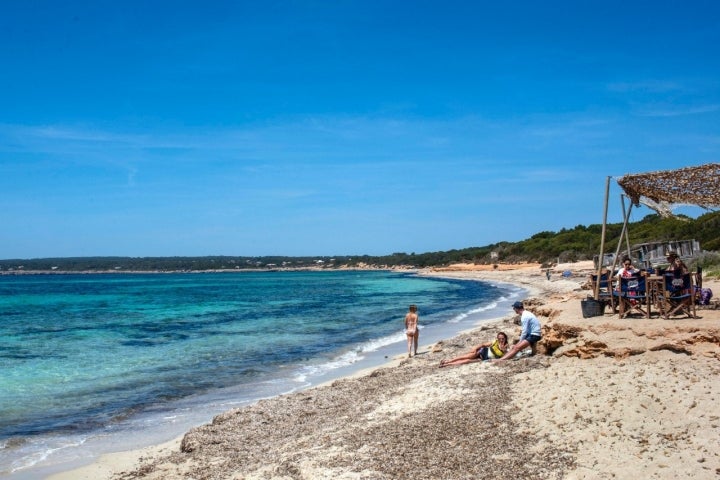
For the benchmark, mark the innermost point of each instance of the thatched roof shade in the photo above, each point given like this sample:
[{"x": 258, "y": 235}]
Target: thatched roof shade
[{"x": 698, "y": 185}]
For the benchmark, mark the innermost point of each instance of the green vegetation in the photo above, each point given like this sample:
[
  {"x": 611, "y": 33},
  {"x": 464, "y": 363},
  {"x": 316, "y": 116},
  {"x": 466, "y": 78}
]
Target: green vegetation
[
  {"x": 709, "y": 262},
  {"x": 567, "y": 245}
]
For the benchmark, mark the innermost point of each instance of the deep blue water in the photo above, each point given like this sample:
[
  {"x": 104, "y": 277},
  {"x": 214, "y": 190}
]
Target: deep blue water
[{"x": 85, "y": 356}]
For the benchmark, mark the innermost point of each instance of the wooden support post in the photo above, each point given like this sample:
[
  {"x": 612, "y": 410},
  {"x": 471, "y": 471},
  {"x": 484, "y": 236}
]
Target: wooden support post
[{"x": 602, "y": 240}]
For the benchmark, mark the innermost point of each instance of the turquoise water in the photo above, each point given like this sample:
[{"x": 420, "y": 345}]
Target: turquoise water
[{"x": 89, "y": 357}]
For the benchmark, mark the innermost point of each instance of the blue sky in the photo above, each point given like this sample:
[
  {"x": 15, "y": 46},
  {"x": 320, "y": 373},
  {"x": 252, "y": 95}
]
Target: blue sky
[{"x": 160, "y": 128}]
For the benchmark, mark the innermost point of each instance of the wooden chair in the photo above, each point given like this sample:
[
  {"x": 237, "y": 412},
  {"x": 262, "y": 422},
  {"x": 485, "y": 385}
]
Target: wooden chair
[
  {"x": 678, "y": 295},
  {"x": 632, "y": 296},
  {"x": 605, "y": 293}
]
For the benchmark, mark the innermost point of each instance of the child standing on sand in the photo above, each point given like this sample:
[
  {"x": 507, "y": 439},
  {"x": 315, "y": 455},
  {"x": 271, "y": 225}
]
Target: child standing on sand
[{"x": 412, "y": 331}]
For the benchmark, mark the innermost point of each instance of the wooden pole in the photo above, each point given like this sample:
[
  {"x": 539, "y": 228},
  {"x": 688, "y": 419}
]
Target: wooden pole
[
  {"x": 625, "y": 229},
  {"x": 602, "y": 239},
  {"x": 626, "y": 218}
]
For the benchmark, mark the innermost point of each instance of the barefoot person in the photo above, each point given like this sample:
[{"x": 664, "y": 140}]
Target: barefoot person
[
  {"x": 484, "y": 351},
  {"x": 531, "y": 332},
  {"x": 411, "y": 329}
]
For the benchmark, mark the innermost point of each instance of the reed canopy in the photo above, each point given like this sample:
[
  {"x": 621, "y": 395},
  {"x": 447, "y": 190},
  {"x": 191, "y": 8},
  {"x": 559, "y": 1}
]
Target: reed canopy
[{"x": 661, "y": 190}]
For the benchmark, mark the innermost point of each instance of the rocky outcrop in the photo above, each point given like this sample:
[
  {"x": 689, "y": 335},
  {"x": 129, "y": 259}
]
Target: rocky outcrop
[
  {"x": 584, "y": 339},
  {"x": 567, "y": 334}
]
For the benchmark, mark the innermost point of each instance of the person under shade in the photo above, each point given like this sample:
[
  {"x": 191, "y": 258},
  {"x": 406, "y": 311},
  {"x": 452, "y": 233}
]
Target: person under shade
[
  {"x": 627, "y": 270},
  {"x": 530, "y": 335},
  {"x": 676, "y": 265},
  {"x": 479, "y": 353}
]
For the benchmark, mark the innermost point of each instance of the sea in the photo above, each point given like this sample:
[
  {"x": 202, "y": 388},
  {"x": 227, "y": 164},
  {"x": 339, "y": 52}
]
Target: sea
[{"x": 97, "y": 363}]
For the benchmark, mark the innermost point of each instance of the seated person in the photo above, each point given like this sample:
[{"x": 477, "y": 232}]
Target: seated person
[
  {"x": 676, "y": 265},
  {"x": 678, "y": 269},
  {"x": 484, "y": 351},
  {"x": 531, "y": 332},
  {"x": 627, "y": 270}
]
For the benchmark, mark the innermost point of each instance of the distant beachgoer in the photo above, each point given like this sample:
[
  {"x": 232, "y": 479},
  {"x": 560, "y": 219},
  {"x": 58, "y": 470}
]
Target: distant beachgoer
[
  {"x": 412, "y": 330},
  {"x": 484, "y": 351},
  {"x": 531, "y": 332},
  {"x": 547, "y": 273}
]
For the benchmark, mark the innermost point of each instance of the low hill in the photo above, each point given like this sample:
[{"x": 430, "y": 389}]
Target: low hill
[{"x": 567, "y": 245}]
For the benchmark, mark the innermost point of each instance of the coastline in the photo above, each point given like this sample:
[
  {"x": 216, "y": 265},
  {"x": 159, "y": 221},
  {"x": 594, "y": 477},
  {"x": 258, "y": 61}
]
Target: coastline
[
  {"x": 617, "y": 398},
  {"x": 369, "y": 348}
]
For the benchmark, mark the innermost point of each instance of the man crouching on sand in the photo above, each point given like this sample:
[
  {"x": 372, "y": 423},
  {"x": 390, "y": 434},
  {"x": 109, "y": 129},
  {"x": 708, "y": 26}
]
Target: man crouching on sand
[{"x": 531, "y": 332}]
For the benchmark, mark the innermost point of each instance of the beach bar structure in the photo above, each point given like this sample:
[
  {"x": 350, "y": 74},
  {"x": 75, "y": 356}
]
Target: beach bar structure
[
  {"x": 661, "y": 191},
  {"x": 653, "y": 254}
]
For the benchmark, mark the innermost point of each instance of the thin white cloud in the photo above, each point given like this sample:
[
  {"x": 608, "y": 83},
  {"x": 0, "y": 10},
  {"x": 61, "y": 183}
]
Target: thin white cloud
[
  {"x": 64, "y": 133},
  {"x": 647, "y": 86},
  {"x": 679, "y": 110}
]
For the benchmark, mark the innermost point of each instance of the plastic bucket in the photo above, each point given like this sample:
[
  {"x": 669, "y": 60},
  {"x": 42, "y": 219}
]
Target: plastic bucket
[{"x": 592, "y": 308}]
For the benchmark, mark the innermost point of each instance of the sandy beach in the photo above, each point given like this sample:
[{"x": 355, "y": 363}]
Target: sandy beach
[{"x": 604, "y": 398}]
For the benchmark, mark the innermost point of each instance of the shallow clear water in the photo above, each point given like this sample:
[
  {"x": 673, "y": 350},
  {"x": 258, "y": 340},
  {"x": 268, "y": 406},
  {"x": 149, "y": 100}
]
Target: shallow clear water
[{"x": 87, "y": 356}]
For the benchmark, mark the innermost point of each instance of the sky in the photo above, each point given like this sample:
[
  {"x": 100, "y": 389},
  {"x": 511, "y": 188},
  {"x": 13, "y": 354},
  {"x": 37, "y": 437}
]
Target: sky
[{"x": 343, "y": 127}]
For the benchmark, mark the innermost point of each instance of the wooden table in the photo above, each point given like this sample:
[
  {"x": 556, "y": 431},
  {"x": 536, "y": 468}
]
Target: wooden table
[{"x": 655, "y": 285}]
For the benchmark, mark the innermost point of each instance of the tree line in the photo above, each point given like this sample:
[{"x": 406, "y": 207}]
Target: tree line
[{"x": 567, "y": 245}]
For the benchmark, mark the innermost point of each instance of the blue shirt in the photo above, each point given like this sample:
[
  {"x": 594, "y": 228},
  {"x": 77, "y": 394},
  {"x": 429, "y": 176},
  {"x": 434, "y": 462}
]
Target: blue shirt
[{"x": 530, "y": 325}]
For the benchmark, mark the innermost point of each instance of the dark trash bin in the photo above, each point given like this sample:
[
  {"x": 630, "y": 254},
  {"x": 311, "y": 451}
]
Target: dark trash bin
[{"x": 592, "y": 308}]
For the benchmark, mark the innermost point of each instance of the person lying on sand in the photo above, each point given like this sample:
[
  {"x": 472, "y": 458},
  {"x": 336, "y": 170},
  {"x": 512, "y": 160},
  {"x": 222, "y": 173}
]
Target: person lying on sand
[{"x": 484, "y": 351}]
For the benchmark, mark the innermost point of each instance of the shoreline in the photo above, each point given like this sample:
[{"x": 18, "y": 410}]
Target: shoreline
[
  {"x": 72, "y": 455},
  {"x": 600, "y": 407}
]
